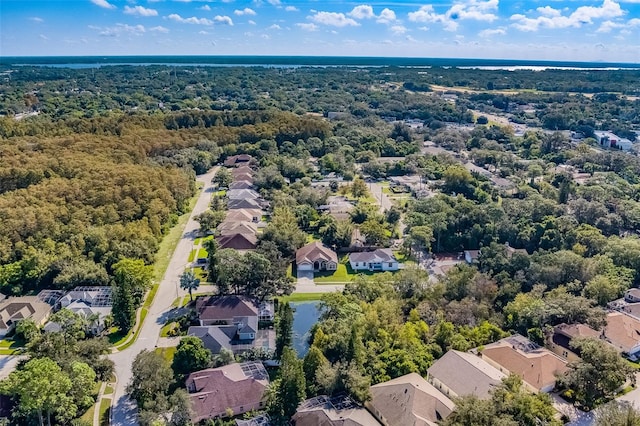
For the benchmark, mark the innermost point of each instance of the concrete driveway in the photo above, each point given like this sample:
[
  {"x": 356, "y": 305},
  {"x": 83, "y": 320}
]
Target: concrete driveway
[{"x": 305, "y": 284}]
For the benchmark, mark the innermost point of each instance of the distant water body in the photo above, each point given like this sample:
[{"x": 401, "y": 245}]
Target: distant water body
[{"x": 305, "y": 61}]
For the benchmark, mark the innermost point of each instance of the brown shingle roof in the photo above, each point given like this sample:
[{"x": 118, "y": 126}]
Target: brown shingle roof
[
  {"x": 537, "y": 366},
  {"x": 409, "y": 400},
  {"x": 237, "y": 241},
  {"x": 216, "y": 390},
  {"x": 315, "y": 251},
  {"x": 14, "y": 309},
  {"x": 225, "y": 307}
]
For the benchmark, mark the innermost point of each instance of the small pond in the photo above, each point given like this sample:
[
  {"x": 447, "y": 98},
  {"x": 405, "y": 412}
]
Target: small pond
[{"x": 305, "y": 315}]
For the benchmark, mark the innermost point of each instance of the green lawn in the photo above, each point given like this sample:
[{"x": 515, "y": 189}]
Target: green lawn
[
  {"x": 11, "y": 346},
  {"x": 88, "y": 415},
  {"x": 164, "y": 331},
  {"x": 340, "y": 275},
  {"x": 167, "y": 353},
  {"x": 301, "y": 297},
  {"x": 192, "y": 255},
  {"x": 105, "y": 408},
  {"x": 197, "y": 241},
  {"x": 202, "y": 252},
  {"x": 200, "y": 273},
  {"x": 108, "y": 390}
]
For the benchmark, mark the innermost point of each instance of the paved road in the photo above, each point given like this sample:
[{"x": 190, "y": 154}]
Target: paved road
[
  {"x": 123, "y": 409},
  {"x": 384, "y": 202},
  {"x": 8, "y": 363}
]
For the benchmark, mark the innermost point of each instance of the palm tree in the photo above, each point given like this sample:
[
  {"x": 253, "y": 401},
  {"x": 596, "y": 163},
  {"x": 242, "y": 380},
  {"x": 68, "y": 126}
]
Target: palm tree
[{"x": 189, "y": 282}]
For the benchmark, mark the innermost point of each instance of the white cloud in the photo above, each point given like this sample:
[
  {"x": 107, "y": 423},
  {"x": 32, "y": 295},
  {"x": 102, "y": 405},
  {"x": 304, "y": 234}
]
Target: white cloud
[
  {"x": 36, "y": 19},
  {"x": 44, "y": 37},
  {"x": 386, "y": 16},
  {"x": 363, "y": 11},
  {"x": 307, "y": 26},
  {"x": 477, "y": 10},
  {"x": 205, "y": 7},
  {"x": 398, "y": 29},
  {"x": 140, "y": 11},
  {"x": 119, "y": 29},
  {"x": 275, "y": 27},
  {"x": 492, "y": 32},
  {"x": 103, "y": 3},
  {"x": 291, "y": 9},
  {"x": 274, "y": 2},
  {"x": 333, "y": 19},
  {"x": 159, "y": 29},
  {"x": 548, "y": 11},
  {"x": 245, "y": 11},
  {"x": 583, "y": 15},
  {"x": 251, "y": 22},
  {"x": 192, "y": 20},
  {"x": 411, "y": 39},
  {"x": 223, "y": 19}
]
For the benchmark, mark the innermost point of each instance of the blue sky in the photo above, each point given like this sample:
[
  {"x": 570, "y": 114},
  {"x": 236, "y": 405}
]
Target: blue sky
[{"x": 583, "y": 30}]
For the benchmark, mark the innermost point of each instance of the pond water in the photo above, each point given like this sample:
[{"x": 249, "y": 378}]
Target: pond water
[{"x": 305, "y": 315}]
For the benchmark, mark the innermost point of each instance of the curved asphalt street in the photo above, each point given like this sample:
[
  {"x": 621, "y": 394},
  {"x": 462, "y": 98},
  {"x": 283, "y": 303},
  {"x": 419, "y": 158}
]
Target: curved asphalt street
[{"x": 123, "y": 409}]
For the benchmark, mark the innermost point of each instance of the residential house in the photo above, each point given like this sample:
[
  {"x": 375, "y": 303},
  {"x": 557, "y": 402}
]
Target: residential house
[
  {"x": 238, "y": 160},
  {"x": 259, "y": 420},
  {"x": 458, "y": 374},
  {"x": 228, "y": 228},
  {"x": 408, "y": 400},
  {"x": 632, "y": 295},
  {"x": 332, "y": 411},
  {"x": 316, "y": 257},
  {"x": 233, "y": 389},
  {"x": 622, "y": 331},
  {"x": 229, "y": 322},
  {"x": 243, "y": 177},
  {"x": 241, "y": 184},
  {"x": 538, "y": 367},
  {"x": 246, "y": 203},
  {"x": 15, "y": 309},
  {"x": 338, "y": 207},
  {"x": 610, "y": 140},
  {"x": 239, "y": 194},
  {"x": 471, "y": 256},
  {"x": 559, "y": 341},
  {"x": 93, "y": 303},
  {"x": 216, "y": 310},
  {"x": 241, "y": 169},
  {"x": 377, "y": 260},
  {"x": 237, "y": 241},
  {"x": 244, "y": 215}
]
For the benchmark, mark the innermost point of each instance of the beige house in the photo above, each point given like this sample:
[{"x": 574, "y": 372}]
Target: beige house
[
  {"x": 408, "y": 400},
  {"x": 316, "y": 257},
  {"x": 559, "y": 342},
  {"x": 538, "y": 367},
  {"x": 459, "y": 374},
  {"x": 623, "y": 333},
  {"x": 15, "y": 309}
]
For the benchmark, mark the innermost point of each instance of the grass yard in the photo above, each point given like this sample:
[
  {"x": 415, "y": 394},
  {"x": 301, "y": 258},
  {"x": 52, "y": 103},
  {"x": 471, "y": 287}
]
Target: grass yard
[
  {"x": 105, "y": 409},
  {"x": 301, "y": 297},
  {"x": 11, "y": 346},
  {"x": 197, "y": 241},
  {"x": 202, "y": 252},
  {"x": 167, "y": 353},
  {"x": 192, "y": 255},
  {"x": 167, "y": 328},
  {"x": 87, "y": 417},
  {"x": 340, "y": 275},
  {"x": 108, "y": 390},
  {"x": 200, "y": 273}
]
